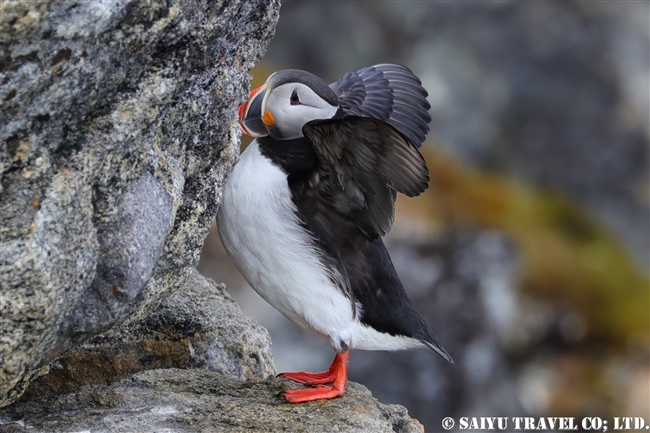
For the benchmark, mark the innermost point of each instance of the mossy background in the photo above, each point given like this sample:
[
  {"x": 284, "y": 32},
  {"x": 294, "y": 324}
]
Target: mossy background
[
  {"x": 568, "y": 257},
  {"x": 567, "y": 253}
]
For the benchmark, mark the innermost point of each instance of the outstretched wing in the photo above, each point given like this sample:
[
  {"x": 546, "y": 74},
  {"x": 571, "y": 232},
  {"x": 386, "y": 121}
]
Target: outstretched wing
[
  {"x": 361, "y": 162},
  {"x": 387, "y": 92}
]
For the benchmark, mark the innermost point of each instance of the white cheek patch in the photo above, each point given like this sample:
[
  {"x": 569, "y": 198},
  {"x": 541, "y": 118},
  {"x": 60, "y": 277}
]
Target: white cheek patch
[{"x": 289, "y": 119}]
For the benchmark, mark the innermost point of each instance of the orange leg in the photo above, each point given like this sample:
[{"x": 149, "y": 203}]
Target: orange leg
[{"x": 337, "y": 374}]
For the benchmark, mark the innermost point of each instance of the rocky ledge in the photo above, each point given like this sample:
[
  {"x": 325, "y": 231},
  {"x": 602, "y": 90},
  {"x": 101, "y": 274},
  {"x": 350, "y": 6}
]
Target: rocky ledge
[
  {"x": 174, "y": 400},
  {"x": 195, "y": 363}
]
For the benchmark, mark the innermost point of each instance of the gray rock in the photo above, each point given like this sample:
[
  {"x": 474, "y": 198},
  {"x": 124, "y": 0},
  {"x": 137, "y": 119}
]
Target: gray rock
[
  {"x": 175, "y": 400},
  {"x": 117, "y": 128},
  {"x": 128, "y": 250},
  {"x": 199, "y": 326}
]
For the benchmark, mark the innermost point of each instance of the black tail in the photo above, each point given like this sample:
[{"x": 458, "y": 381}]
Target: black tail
[{"x": 436, "y": 347}]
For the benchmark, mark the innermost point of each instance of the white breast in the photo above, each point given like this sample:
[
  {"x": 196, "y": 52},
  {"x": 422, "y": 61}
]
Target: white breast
[{"x": 260, "y": 232}]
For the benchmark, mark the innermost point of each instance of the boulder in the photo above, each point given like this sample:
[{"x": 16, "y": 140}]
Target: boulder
[
  {"x": 117, "y": 130},
  {"x": 199, "y": 326}
]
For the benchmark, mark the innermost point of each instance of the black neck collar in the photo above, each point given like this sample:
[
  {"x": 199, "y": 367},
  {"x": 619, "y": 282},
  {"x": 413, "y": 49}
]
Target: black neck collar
[{"x": 296, "y": 156}]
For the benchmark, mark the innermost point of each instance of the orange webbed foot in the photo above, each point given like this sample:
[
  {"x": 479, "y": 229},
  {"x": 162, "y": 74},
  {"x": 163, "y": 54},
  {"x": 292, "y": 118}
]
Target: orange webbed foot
[
  {"x": 337, "y": 374},
  {"x": 310, "y": 378},
  {"x": 311, "y": 394}
]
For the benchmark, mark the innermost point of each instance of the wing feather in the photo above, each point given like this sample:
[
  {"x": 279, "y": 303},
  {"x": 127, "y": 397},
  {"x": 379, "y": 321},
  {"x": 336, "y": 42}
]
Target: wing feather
[
  {"x": 387, "y": 92},
  {"x": 361, "y": 162}
]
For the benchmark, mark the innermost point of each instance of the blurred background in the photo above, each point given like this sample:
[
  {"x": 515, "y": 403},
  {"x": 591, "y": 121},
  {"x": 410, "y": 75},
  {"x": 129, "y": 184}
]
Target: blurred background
[{"x": 529, "y": 254}]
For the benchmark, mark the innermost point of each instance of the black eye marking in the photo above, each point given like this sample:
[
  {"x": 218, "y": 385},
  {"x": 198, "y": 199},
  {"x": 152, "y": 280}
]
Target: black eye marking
[{"x": 295, "y": 100}]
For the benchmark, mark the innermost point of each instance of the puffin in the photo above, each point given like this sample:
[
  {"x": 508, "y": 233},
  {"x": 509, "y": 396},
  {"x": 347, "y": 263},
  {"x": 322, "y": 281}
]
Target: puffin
[{"x": 305, "y": 208}]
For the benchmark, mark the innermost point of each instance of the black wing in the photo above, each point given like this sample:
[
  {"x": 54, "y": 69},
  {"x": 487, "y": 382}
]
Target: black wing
[
  {"x": 387, "y": 92},
  {"x": 347, "y": 203},
  {"x": 361, "y": 162}
]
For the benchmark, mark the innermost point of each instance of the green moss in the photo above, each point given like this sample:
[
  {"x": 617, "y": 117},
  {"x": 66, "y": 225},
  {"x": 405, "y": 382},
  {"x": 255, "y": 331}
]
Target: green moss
[{"x": 567, "y": 254}]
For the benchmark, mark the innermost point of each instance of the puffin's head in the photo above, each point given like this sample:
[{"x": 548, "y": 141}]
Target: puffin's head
[{"x": 289, "y": 99}]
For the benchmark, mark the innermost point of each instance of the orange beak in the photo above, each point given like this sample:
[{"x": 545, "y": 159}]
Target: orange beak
[{"x": 253, "y": 117}]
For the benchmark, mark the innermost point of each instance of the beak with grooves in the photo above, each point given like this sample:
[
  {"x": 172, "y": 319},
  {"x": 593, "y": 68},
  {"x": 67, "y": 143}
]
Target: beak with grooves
[{"x": 252, "y": 112}]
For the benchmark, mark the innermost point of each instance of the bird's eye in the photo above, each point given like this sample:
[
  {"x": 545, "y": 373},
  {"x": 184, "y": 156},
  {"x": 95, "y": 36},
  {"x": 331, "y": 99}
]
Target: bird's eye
[{"x": 295, "y": 100}]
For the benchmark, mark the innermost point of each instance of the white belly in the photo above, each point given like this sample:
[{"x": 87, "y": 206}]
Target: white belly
[{"x": 259, "y": 230}]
